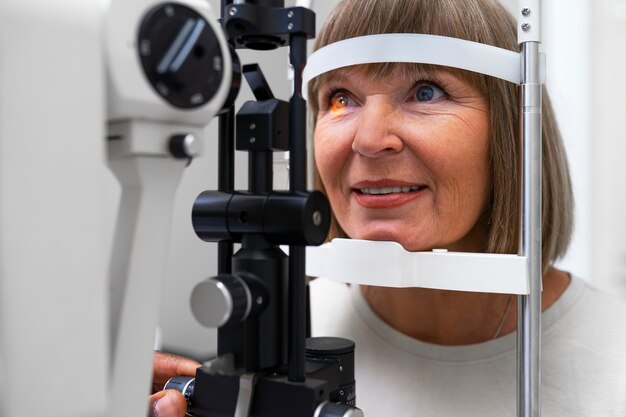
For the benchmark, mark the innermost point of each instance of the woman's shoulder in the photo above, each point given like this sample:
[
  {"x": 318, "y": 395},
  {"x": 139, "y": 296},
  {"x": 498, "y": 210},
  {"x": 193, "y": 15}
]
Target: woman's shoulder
[
  {"x": 584, "y": 352},
  {"x": 589, "y": 318},
  {"x": 596, "y": 305}
]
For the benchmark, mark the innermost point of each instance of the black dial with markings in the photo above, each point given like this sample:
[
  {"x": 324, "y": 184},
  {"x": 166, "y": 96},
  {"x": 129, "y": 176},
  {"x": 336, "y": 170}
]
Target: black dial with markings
[{"x": 181, "y": 55}]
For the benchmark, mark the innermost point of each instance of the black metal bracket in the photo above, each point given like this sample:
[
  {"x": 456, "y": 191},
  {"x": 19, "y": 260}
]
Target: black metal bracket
[
  {"x": 264, "y": 28},
  {"x": 266, "y": 348}
]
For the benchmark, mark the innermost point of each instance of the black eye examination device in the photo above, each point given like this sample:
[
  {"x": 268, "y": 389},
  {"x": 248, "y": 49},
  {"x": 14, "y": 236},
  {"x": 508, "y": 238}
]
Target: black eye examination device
[{"x": 266, "y": 366}]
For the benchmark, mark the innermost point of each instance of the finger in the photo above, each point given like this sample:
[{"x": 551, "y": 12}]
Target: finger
[
  {"x": 167, "y": 365},
  {"x": 168, "y": 403}
]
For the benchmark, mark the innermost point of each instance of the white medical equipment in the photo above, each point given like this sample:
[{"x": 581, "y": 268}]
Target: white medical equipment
[
  {"x": 53, "y": 262},
  {"x": 153, "y": 129},
  {"x": 73, "y": 83}
]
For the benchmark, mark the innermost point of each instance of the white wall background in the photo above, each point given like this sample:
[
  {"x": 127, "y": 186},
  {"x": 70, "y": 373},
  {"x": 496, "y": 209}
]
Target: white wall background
[
  {"x": 607, "y": 143},
  {"x": 566, "y": 43},
  {"x": 585, "y": 43}
]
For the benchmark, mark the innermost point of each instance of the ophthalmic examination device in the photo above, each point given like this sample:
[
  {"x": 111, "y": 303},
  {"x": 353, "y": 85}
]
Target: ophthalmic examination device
[{"x": 128, "y": 86}]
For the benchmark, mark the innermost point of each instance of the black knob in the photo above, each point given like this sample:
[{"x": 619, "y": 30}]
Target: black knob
[
  {"x": 184, "y": 384},
  {"x": 184, "y": 146},
  {"x": 180, "y": 54}
]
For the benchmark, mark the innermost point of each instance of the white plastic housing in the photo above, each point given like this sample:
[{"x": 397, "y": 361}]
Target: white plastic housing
[
  {"x": 129, "y": 95},
  {"x": 54, "y": 355},
  {"x": 528, "y": 21},
  {"x": 149, "y": 177}
]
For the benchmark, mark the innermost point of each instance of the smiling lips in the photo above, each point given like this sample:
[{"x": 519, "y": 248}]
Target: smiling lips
[
  {"x": 390, "y": 190},
  {"x": 379, "y": 195}
]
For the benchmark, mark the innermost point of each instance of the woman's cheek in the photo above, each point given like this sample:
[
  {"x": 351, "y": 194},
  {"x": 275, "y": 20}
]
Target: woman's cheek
[
  {"x": 326, "y": 149},
  {"x": 332, "y": 141}
]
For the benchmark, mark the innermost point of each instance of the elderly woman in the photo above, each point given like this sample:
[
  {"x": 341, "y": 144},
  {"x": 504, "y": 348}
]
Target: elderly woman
[{"x": 427, "y": 156}]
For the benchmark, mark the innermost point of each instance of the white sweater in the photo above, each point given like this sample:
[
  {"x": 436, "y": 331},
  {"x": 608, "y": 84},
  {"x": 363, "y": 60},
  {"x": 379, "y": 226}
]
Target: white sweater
[{"x": 583, "y": 360}]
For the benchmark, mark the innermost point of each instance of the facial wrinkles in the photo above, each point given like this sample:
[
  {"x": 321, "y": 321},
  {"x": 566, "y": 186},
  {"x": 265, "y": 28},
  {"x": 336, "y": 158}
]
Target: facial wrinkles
[
  {"x": 452, "y": 108},
  {"x": 358, "y": 170},
  {"x": 474, "y": 123}
]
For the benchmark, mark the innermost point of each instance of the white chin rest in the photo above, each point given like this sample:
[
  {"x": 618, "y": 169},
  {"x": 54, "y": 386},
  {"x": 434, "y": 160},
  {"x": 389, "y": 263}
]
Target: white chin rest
[{"x": 388, "y": 264}]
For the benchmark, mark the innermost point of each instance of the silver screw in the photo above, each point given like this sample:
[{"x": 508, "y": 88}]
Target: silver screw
[
  {"x": 526, "y": 11},
  {"x": 526, "y": 27},
  {"x": 217, "y": 63},
  {"x": 232, "y": 11},
  {"x": 196, "y": 98},
  {"x": 252, "y": 139},
  {"x": 340, "y": 368},
  {"x": 163, "y": 89},
  {"x": 317, "y": 218},
  {"x": 252, "y": 126},
  {"x": 145, "y": 47},
  {"x": 169, "y": 11},
  {"x": 290, "y": 26},
  {"x": 290, "y": 14},
  {"x": 259, "y": 300}
]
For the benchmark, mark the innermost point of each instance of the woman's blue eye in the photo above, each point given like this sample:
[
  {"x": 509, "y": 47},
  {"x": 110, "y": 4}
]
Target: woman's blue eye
[{"x": 428, "y": 92}]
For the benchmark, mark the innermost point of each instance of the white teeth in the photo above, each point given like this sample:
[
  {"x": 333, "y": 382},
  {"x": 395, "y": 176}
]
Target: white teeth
[{"x": 389, "y": 190}]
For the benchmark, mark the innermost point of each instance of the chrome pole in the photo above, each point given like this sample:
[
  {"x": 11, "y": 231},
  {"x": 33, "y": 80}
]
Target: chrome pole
[{"x": 529, "y": 306}]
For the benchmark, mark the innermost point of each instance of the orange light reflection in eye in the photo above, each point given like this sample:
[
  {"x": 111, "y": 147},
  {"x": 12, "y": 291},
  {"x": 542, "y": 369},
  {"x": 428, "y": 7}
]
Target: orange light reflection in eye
[{"x": 338, "y": 103}]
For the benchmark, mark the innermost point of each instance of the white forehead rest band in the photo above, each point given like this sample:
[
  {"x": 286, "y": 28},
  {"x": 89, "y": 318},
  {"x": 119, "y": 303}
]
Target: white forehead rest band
[{"x": 417, "y": 48}]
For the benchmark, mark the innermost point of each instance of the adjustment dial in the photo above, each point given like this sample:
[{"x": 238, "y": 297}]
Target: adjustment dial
[{"x": 180, "y": 55}]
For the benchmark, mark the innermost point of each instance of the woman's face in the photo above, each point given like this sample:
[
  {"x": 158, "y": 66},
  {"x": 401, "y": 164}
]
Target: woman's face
[{"x": 406, "y": 158}]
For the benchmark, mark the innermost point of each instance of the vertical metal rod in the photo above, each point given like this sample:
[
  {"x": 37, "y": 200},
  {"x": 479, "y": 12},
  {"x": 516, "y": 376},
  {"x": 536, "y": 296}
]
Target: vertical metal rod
[
  {"x": 308, "y": 311},
  {"x": 297, "y": 182},
  {"x": 297, "y": 112},
  {"x": 226, "y": 167},
  {"x": 260, "y": 174},
  {"x": 225, "y": 151},
  {"x": 529, "y": 318},
  {"x": 226, "y": 178}
]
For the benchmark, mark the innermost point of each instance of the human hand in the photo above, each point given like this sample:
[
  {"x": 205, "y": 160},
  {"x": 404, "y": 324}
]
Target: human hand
[{"x": 169, "y": 403}]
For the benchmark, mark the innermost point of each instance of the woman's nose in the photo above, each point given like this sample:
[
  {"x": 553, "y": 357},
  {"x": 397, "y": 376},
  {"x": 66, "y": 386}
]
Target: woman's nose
[{"x": 376, "y": 134}]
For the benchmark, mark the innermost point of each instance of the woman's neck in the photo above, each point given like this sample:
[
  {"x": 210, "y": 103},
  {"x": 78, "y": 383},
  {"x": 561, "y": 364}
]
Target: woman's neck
[{"x": 455, "y": 317}]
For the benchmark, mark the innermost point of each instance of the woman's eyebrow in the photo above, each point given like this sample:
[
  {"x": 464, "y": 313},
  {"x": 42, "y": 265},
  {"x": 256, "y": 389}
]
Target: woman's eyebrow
[{"x": 339, "y": 75}]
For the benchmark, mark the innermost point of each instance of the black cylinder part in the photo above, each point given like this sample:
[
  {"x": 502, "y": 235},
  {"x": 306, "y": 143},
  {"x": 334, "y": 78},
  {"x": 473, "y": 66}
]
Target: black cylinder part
[{"x": 283, "y": 218}]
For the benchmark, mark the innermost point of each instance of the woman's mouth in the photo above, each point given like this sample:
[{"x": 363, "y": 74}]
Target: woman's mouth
[
  {"x": 391, "y": 190},
  {"x": 387, "y": 197}
]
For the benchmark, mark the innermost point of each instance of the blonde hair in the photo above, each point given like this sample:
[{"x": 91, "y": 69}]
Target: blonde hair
[{"x": 484, "y": 21}]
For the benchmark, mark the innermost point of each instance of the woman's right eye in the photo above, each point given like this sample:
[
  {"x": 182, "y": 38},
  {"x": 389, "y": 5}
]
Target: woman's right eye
[{"x": 339, "y": 101}]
